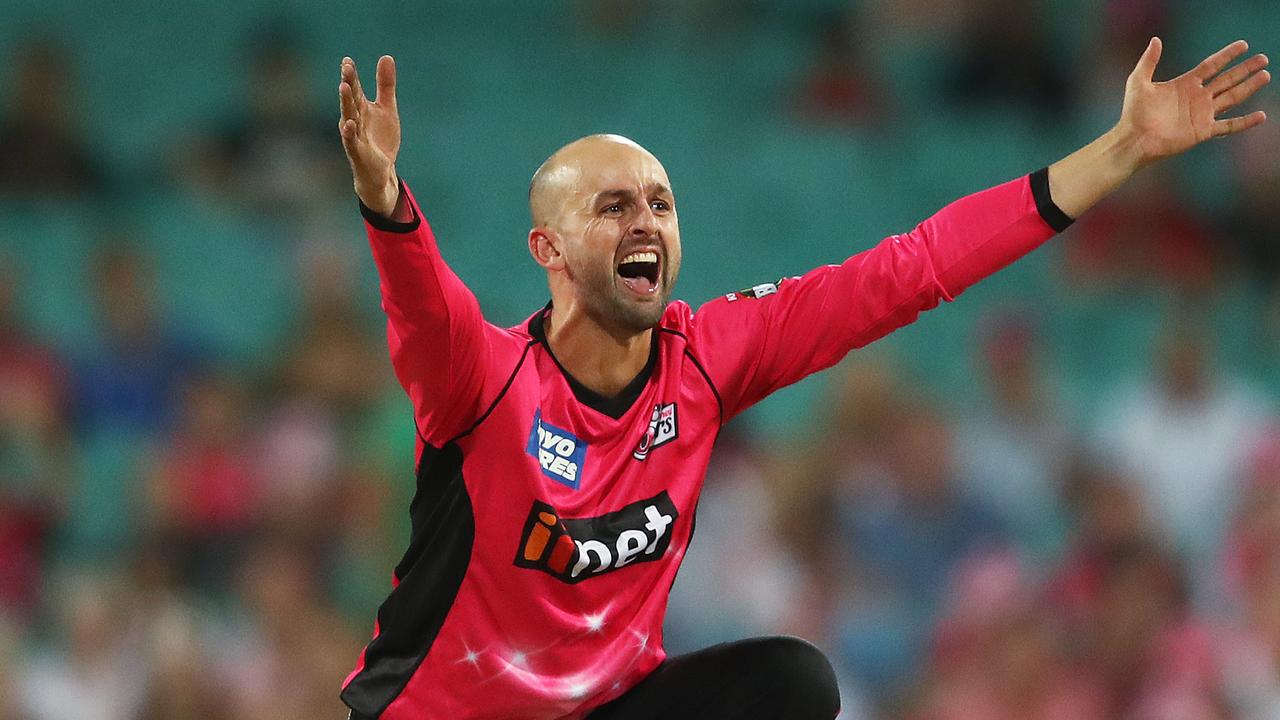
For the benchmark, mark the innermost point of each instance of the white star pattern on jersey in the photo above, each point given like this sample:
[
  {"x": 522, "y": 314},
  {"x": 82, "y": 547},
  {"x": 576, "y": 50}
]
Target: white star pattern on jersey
[
  {"x": 593, "y": 622},
  {"x": 521, "y": 664}
]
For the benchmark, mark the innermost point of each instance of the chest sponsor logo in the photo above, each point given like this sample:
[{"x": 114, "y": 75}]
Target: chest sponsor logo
[
  {"x": 573, "y": 550},
  {"x": 559, "y": 453},
  {"x": 663, "y": 428}
]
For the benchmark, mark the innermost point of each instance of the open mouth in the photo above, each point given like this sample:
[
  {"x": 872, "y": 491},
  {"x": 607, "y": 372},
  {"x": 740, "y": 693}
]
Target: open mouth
[{"x": 641, "y": 271}]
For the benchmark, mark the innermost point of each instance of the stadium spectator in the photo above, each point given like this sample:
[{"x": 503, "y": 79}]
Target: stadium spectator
[
  {"x": 180, "y": 688},
  {"x": 739, "y": 579},
  {"x": 128, "y": 382},
  {"x": 1157, "y": 657},
  {"x": 174, "y": 640},
  {"x": 1144, "y": 236},
  {"x": 1250, "y": 648},
  {"x": 36, "y": 454},
  {"x": 290, "y": 646},
  {"x": 840, "y": 87},
  {"x": 256, "y": 158},
  {"x": 904, "y": 528},
  {"x": 328, "y": 378},
  {"x": 913, "y": 524},
  {"x": 846, "y": 450},
  {"x": 1013, "y": 443},
  {"x": 1122, "y": 601},
  {"x": 356, "y": 565},
  {"x": 998, "y": 655},
  {"x": 983, "y": 74},
  {"x": 92, "y": 673},
  {"x": 1184, "y": 436},
  {"x": 203, "y": 493},
  {"x": 1250, "y": 651},
  {"x": 1107, "y": 515},
  {"x": 331, "y": 358},
  {"x": 11, "y": 706},
  {"x": 1253, "y": 219},
  {"x": 41, "y": 150}
]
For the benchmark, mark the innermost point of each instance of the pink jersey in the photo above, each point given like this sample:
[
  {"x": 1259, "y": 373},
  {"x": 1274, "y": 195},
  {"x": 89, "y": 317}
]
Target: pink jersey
[{"x": 549, "y": 521}]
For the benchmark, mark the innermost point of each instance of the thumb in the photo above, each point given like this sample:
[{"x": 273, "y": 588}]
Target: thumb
[
  {"x": 386, "y": 77},
  {"x": 1146, "y": 67},
  {"x": 367, "y": 163}
]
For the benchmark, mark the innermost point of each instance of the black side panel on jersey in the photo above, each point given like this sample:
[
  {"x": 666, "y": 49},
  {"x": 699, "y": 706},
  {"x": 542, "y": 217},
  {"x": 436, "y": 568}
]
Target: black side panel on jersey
[{"x": 430, "y": 575}]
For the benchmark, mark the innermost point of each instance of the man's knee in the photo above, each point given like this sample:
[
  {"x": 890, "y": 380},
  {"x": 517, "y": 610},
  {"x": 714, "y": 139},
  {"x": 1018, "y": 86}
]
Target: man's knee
[{"x": 804, "y": 677}]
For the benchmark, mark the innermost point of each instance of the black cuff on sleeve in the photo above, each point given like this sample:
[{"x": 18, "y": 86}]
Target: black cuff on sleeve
[
  {"x": 386, "y": 224},
  {"x": 1049, "y": 210}
]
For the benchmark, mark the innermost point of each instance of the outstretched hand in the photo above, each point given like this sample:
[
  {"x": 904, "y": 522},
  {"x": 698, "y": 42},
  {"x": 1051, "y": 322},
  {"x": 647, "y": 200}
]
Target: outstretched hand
[
  {"x": 371, "y": 135},
  {"x": 1167, "y": 118}
]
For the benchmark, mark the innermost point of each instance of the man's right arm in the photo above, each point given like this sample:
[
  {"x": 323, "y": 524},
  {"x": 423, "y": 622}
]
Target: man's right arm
[
  {"x": 439, "y": 341},
  {"x": 437, "y": 336}
]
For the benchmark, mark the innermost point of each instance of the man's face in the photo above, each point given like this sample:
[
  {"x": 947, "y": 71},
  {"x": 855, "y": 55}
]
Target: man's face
[{"x": 620, "y": 235}]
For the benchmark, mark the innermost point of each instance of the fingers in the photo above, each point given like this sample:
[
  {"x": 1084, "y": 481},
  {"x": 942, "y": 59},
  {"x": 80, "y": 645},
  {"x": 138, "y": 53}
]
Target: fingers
[
  {"x": 1213, "y": 64},
  {"x": 1232, "y": 77},
  {"x": 347, "y": 101},
  {"x": 1146, "y": 67},
  {"x": 1241, "y": 92},
  {"x": 1231, "y": 126},
  {"x": 352, "y": 77},
  {"x": 386, "y": 76},
  {"x": 349, "y": 122}
]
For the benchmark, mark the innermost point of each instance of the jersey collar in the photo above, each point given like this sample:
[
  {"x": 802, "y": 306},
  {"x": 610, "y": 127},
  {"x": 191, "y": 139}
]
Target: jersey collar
[{"x": 614, "y": 407}]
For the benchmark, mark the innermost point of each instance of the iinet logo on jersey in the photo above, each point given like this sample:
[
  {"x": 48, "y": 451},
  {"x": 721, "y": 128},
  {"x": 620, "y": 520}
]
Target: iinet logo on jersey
[{"x": 572, "y": 550}]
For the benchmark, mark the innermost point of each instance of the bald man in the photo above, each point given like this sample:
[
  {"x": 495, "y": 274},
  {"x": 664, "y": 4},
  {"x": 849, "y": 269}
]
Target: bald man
[{"x": 559, "y": 462}]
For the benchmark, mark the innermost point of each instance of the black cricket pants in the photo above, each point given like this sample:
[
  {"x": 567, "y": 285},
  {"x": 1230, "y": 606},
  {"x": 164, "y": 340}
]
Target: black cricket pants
[{"x": 770, "y": 678}]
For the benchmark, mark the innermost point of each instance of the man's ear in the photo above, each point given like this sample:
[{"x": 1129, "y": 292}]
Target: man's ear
[{"x": 545, "y": 246}]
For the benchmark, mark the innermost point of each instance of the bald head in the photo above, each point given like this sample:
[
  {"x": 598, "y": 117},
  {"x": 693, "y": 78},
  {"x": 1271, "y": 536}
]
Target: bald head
[
  {"x": 572, "y": 169},
  {"x": 598, "y": 204}
]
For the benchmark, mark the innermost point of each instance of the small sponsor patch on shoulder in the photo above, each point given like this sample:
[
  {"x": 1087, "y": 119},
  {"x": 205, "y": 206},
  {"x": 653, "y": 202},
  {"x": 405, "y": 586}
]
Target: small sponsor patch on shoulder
[{"x": 755, "y": 291}]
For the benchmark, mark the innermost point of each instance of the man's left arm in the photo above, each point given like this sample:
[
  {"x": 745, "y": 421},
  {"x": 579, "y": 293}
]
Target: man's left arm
[
  {"x": 756, "y": 343},
  {"x": 760, "y": 340}
]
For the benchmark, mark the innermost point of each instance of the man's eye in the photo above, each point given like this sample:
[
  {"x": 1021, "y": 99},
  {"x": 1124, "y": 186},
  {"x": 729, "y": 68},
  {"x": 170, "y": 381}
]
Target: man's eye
[
  {"x": 660, "y": 205},
  {"x": 614, "y": 208}
]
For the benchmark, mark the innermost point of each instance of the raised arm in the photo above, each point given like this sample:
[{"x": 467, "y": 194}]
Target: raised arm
[
  {"x": 756, "y": 342},
  {"x": 371, "y": 136},
  {"x": 440, "y": 344},
  {"x": 1159, "y": 120}
]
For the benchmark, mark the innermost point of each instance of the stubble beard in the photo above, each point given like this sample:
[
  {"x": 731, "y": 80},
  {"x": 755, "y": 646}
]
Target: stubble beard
[{"x": 608, "y": 306}]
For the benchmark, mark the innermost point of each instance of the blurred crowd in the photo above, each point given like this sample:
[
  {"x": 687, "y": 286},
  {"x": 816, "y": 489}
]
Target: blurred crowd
[{"x": 184, "y": 537}]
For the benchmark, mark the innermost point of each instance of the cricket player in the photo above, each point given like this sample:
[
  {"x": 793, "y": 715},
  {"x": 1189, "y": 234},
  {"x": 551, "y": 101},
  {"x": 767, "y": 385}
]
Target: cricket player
[{"x": 559, "y": 461}]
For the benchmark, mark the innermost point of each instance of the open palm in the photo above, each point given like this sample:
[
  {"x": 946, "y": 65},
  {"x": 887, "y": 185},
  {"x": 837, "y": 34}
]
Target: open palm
[
  {"x": 371, "y": 134},
  {"x": 1170, "y": 117}
]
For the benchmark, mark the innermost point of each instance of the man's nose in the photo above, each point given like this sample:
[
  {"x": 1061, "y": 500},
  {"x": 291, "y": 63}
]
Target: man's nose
[{"x": 645, "y": 223}]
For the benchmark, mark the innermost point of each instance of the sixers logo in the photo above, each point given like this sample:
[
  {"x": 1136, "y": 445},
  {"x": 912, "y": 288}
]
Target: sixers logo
[
  {"x": 662, "y": 429},
  {"x": 572, "y": 550}
]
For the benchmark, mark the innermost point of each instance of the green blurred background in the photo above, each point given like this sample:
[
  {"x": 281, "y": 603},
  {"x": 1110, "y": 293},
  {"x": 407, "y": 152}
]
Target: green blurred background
[{"x": 205, "y": 463}]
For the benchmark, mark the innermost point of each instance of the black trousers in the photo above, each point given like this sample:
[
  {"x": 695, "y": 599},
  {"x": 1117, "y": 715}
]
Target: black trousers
[{"x": 771, "y": 678}]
